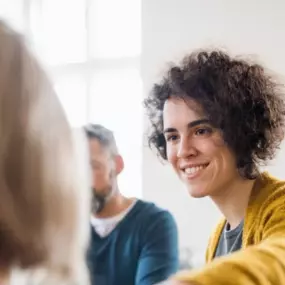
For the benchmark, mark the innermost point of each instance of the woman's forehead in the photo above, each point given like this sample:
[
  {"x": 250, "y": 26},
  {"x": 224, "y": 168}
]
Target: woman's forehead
[{"x": 178, "y": 112}]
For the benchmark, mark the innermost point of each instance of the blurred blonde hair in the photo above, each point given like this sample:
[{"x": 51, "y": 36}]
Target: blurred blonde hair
[{"x": 44, "y": 193}]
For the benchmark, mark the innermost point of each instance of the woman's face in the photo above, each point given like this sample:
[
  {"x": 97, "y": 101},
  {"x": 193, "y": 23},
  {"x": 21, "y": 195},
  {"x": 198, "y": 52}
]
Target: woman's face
[{"x": 196, "y": 150}]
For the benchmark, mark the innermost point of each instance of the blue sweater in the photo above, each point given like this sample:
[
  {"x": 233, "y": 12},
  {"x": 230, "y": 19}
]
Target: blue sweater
[{"x": 141, "y": 250}]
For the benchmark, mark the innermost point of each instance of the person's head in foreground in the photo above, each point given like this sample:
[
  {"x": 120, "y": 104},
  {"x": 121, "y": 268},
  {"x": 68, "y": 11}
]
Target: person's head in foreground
[
  {"x": 216, "y": 120},
  {"x": 43, "y": 197},
  {"x": 106, "y": 164}
]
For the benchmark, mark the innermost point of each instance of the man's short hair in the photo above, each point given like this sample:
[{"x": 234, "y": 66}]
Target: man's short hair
[{"x": 105, "y": 136}]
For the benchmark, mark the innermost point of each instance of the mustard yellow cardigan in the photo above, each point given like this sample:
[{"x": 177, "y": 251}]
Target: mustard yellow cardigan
[{"x": 261, "y": 261}]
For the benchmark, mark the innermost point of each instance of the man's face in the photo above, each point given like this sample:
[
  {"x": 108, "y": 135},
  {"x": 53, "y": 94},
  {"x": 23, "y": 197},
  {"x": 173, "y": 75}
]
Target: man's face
[
  {"x": 103, "y": 170},
  {"x": 196, "y": 150}
]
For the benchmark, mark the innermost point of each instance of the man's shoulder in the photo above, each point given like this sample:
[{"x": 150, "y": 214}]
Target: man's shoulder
[
  {"x": 154, "y": 222},
  {"x": 151, "y": 216},
  {"x": 151, "y": 210}
]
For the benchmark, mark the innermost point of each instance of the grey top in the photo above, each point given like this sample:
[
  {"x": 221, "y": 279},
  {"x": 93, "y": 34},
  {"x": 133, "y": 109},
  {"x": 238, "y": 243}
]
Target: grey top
[{"x": 230, "y": 240}]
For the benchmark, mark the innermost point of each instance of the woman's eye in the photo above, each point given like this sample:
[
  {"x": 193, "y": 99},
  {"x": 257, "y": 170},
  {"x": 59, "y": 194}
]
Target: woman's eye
[
  {"x": 203, "y": 131},
  {"x": 172, "y": 138}
]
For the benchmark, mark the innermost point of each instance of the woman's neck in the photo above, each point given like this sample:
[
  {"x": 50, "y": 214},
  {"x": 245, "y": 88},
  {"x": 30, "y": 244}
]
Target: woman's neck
[{"x": 233, "y": 201}]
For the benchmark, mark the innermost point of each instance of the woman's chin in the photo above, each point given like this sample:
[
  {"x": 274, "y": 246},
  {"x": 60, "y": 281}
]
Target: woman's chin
[{"x": 197, "y": 192}]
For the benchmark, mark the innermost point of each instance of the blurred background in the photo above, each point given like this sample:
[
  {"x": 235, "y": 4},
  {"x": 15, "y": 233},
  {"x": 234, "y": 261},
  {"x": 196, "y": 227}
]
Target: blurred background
[{"x": 104, "y": 55}]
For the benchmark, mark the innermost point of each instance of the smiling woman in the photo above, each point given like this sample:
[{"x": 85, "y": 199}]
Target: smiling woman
[
  {"x": 225, "y": 92},
  {"x": 217, "y": 119},
  {"x": 189, "y": 134}
]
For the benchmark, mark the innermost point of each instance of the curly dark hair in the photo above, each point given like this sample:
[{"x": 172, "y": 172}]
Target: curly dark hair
[{"x": 240, "y": 98}]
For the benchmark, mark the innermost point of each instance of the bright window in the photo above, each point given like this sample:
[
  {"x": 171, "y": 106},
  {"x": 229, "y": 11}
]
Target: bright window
[
  {"x": 115, "y": 28},
  {"x": 92, "y": 51}
]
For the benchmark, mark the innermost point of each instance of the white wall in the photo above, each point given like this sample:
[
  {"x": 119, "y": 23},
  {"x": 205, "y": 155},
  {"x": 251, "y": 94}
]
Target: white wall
[{"x": 172, "y": 28}]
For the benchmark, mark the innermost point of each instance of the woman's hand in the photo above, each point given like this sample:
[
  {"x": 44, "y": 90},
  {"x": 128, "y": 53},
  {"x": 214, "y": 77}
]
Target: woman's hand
[{"x": 175, "y": 282}]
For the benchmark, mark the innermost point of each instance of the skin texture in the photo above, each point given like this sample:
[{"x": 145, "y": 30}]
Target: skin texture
[
  {"x": 192, "y": 143},
  {"x": 175, "y": 282}
]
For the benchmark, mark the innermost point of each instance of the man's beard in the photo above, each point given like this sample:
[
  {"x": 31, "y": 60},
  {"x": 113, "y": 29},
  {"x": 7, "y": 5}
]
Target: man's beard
[
  {"x": 101, "y": 197},
  {"x": 99, "y": 200}
]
